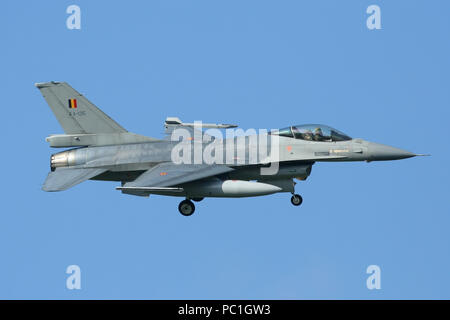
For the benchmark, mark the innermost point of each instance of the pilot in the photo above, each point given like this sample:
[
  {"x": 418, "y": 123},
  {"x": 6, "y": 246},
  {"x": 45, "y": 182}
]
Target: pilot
[
  {"x": 307, "y": 135},
  {"x": 318, "y": 134}
]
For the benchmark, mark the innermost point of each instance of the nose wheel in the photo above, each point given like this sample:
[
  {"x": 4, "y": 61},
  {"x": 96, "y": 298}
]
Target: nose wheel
[
  {"x": 186, "y": 207},
  {"x": 296, "y": 199}
]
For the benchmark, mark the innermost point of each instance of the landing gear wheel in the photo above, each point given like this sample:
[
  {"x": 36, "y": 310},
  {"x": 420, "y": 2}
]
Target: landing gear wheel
[
  {"x": 186, "y": 207},
  {"x": 197, "y": 199},
  {"x": 296, "y": 200}
]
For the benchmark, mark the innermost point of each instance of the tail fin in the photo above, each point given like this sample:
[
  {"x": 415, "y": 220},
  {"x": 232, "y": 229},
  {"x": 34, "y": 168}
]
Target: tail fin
[{"x": 75, "y": 113}]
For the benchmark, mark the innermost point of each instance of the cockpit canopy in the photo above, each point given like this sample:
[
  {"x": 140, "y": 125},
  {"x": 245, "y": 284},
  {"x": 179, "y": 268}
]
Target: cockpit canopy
[{"x": 313, "y": 132}]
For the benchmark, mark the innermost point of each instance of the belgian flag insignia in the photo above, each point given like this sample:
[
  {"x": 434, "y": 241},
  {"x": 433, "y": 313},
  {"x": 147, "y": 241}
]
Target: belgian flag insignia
[{"x": 72, "y": 103}]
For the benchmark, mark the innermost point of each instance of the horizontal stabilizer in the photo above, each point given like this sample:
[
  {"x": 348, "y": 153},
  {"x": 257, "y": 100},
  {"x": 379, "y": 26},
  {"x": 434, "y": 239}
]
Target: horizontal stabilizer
[
  {"x": 65, "y": 178},
  {"x": 95, "y": 140}
]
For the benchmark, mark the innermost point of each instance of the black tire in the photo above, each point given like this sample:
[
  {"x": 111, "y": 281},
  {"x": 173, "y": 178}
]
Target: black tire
[
  {"x": 296, "y": 199},
  {"x": 186, "y": 208},
  {"x": 197, "y": 199}
]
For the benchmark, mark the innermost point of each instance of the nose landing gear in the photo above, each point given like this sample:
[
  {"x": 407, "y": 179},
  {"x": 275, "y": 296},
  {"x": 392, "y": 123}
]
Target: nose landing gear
[{"x": 296, "y": 199}]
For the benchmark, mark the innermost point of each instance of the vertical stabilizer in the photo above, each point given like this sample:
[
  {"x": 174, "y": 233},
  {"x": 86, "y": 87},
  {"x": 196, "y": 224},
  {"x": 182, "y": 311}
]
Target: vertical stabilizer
[{"x": 74, "y": 112}]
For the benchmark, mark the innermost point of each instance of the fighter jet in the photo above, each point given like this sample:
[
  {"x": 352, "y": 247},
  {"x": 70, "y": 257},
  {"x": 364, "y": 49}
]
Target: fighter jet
[{"x": 189, "y": 162}]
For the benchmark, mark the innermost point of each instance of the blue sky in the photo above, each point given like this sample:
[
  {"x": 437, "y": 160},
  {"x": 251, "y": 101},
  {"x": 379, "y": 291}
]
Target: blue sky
[{"x": 261, "y": 64}]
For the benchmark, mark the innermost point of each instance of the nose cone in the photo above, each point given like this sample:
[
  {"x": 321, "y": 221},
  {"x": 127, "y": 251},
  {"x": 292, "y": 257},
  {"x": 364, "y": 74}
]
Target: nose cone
[{"x": 379, "y": 152}]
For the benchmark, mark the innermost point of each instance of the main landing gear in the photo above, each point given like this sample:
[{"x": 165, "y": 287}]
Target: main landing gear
[
  {"x": 296, "y": 199},
  {"x": 186, "y": 207}
]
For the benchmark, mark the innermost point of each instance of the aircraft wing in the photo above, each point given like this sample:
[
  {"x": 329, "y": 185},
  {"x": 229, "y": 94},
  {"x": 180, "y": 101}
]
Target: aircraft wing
[
  {"x": 65, "y": 178},
  {"x": 166, "y": 175},
  {"x": 172, "y": 123},
  {"x": 190, "y": 131}
]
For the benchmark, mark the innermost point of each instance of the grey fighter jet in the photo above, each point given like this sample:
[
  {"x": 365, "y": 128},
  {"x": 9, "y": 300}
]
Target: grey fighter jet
[{"x": 189, "y": 162}]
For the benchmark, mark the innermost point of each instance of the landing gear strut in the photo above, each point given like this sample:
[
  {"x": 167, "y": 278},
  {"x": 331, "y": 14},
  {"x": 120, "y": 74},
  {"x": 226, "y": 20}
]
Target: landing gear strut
[
  {"x": 296, "y": 199},
  {"x": 186, "y": 207}
]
